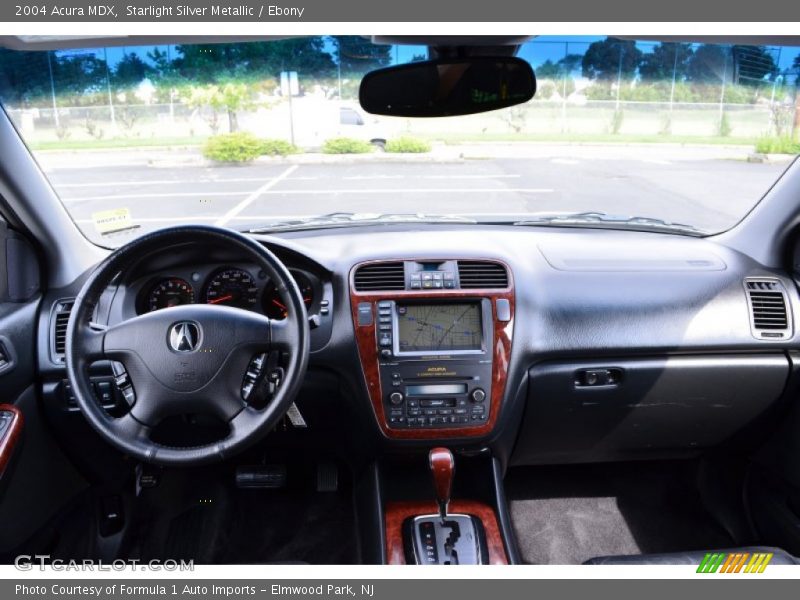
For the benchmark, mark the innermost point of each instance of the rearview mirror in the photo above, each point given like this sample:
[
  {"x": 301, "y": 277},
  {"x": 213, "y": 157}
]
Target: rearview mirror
[{"x": 447, "y": 87}]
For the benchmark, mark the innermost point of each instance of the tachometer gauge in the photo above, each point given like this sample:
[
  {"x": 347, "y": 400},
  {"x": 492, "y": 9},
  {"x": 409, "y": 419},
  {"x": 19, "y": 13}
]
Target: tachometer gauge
[
  {"x": 170, "y": 292},
  {"x": 232, "y": 287},
  {"x": 273, "y": 303}
]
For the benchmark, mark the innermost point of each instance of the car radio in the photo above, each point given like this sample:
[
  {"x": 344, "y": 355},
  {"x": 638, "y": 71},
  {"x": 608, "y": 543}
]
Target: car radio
[{"x": 435, "y": 362}]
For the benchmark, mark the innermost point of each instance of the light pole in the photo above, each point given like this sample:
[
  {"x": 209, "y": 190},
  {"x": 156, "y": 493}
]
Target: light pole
[
  {"x": 619, "y": 74},
  {"x": 564, "y": 90},
  {"x": 674, "y": 76},
  {"x": 53, "y": 89},
  {"x": 722, "y": 93},
  {"x": 108, "y": 89}
]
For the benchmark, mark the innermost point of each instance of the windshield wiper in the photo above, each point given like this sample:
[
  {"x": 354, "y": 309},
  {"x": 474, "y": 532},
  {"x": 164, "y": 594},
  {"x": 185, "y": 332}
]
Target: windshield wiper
[
  {"x": 595, "y": 219},
  {"x": 349, "y": 219}
]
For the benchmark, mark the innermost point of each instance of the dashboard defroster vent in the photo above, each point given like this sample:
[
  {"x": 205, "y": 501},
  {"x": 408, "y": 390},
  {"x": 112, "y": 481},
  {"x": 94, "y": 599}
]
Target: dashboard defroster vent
[
  {"x": 479, "y": 274},
  {"x": 380, "y": 276},
  {"x": 769, "y": 309},
  {"x": 59, "y": 322}
]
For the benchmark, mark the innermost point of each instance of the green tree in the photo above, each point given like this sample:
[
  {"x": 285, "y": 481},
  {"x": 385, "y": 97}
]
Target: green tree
[
  {"x": 130, "y": 71},
  {"x": 358, "y": 54},
  {"x": 231, "y": 97},
  {"x": 548, "y": 70},
  {"x": 609, "y": 58},
  {"x": 77, "y": 77},
  {"x": 212, "y": 63},
  {"x": 556, "y": 77},
  {"x": 24, "y": 77},
  {"x": 557, "y": 70},
  {"x": 796, "y": 69},
  {"x": 665, "y": 58},
  {"x": 164, "y": 75},
  {"x": 709, "y": 64}
]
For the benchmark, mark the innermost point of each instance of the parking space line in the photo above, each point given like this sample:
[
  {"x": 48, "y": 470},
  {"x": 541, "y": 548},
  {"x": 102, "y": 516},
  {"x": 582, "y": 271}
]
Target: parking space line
[
  {"x": 506, "y": 176},
  {"x": 253, "y": 196},
  {"x": 140, "y": 196},
  {"x": 265, "y": 191},
  {"x": 464, "y": 176},
  {"x": 366, "y": 177},
  {"x": 166, "y": 182},
  {"x": 413, "y": 191}
]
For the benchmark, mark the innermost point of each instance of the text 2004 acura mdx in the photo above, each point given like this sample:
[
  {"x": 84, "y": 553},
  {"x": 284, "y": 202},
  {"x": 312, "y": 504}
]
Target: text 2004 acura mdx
[{"x": 550, "y": 320}]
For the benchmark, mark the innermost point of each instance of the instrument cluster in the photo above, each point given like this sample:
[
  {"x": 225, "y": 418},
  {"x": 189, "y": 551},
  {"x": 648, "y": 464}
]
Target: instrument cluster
[{"x": 227, "y": 285}]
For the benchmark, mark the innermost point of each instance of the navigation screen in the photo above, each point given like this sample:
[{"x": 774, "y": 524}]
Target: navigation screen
[{"x": 439, "y": 327}]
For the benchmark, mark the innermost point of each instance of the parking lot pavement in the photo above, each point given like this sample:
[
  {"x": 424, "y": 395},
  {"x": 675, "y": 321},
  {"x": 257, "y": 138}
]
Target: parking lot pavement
[{"x": 711, "y": 194}]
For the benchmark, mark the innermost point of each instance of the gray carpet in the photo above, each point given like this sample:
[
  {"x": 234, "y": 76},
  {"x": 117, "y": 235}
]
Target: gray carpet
[{"x": 568, "y": 514}]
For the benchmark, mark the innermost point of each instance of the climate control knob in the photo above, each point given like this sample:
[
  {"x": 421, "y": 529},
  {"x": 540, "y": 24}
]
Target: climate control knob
[
  {"x": 478, "y": 395},
  {"x": 396, "y": 398}
]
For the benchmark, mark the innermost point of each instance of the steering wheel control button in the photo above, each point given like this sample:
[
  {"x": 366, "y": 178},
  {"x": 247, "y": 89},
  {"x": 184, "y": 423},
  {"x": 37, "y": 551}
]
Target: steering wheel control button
[
  {"x": 478, "y": 395},
  {"x": 185, "y": 336},
  {"x": 188, "y": 358}
]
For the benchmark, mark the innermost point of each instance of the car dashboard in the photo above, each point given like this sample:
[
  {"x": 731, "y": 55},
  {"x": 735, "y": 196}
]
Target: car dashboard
[{"x": 567, "y": 345}]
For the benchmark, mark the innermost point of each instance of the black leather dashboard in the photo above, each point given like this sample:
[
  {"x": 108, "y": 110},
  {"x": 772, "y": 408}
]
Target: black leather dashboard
[{"x": 581, "y": 295}]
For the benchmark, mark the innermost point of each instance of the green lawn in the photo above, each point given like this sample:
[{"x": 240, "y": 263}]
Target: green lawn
[
  {"x": 602, "y": 138},
  {"x": 447, "y": 138}
]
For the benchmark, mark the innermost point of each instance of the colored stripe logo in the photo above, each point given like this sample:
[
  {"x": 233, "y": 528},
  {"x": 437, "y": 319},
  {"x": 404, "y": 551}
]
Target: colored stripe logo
[{"x": 734, "y": 562}]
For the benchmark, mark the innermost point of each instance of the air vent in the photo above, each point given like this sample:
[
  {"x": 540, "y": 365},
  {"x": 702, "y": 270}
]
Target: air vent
[
  {"x": 474, "y": 274},
  {"x": 380, "y": 276},
  {"x": 60, "y": 320},
  {"x": 769, "y": 314}
]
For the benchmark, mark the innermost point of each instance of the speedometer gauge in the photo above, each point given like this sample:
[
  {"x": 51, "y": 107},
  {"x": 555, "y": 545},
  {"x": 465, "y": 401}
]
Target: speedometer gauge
[
  {"x": 232, "y": 287},
  {"x": 273, "y": 303},
  {"x": 170, "y": 292}
]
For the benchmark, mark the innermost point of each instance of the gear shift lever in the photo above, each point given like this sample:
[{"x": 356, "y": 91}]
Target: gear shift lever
[
  {"x": 444, "y": 539},
  {"x": 443, "y": 468}
]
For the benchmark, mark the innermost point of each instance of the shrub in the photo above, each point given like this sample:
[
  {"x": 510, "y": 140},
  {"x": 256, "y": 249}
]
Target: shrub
[
  {"x": 346, "y": 146},
  {"x": 409, "y": 145},
  {"x": 777, "y": 145},
  {"x": 276, "y": 147},
  {"x": 232, "y": 147}
]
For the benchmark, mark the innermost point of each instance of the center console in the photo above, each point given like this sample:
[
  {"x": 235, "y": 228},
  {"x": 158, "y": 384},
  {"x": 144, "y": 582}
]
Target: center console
[
  {"x": 443, "y": 531},
  {"x": 434, "y": 338}
]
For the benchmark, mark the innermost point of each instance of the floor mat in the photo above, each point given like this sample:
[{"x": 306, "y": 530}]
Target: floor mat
[
  {"x": 284, "y": 526},
  {"x": 568, "y": 514},
  {"x": 210, "y": 521}
]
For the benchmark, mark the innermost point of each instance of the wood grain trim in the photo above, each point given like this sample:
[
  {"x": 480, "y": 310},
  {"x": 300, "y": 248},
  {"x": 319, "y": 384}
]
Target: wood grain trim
[
  {"x": 12, "y": 434},
  {"x": 366, "y": 341},
  {"x": 397, "y": 512},
  {"x": 443, "y": 468}
]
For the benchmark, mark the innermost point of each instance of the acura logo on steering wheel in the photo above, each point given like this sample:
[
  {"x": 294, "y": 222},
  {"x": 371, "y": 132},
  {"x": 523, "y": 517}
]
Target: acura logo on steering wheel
[{"x": 184, "y": 336}]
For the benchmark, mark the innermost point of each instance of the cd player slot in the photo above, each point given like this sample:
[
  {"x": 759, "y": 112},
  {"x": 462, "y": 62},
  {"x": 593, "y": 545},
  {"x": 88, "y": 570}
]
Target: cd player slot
[
  {"x": 433, "y": 378},
  {"x": 442, "y": 389},
  {"x": 437, "y": 402}
]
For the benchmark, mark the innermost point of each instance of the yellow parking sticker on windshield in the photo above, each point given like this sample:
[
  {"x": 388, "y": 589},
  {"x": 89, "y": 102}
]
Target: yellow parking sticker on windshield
[{"x": 110, "y": 221}]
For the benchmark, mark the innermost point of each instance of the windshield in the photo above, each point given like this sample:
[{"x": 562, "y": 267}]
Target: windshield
[{"x": 270, "y": 136}]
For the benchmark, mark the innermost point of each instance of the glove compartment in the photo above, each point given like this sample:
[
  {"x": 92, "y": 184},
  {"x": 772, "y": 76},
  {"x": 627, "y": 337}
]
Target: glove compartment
[{"x": 630, "y": 408}]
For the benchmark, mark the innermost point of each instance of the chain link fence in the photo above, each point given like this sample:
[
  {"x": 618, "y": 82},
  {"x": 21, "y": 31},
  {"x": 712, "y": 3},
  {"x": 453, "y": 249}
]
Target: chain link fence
[{"x": 313, "y": 121}]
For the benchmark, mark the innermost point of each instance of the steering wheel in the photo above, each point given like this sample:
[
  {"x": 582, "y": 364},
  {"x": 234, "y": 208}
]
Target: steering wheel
[{"x": 186, "y": 359}]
